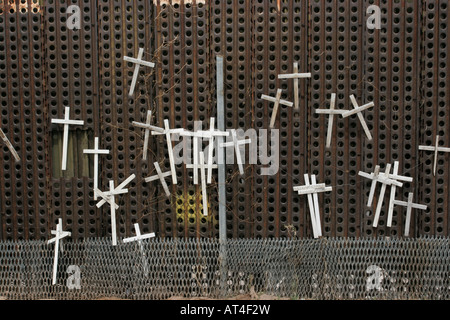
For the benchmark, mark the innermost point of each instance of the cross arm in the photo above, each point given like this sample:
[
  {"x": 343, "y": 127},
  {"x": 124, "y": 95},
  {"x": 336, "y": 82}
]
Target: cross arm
[
  {"x": 358, "y": 110},
  {"x": 138, "y": 61},
  {"x": 294, "y": 76}
]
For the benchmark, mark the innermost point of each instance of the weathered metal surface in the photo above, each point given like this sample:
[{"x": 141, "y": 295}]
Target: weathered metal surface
[{"x": 44, "y": 66}]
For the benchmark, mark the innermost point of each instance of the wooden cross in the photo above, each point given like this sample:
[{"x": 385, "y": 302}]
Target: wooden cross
[
  {"x": 197, "y": 135},
  {"x": 148, "y": 128},
  {"x": 110, "y": 198},
  {"x": 9, "y": 145},
  {"x": 168, "y": 133},
  {"x": 410, "y": 205},
  {"x": 139, "y": 237},
  {"x": 296, "y": 76},
  {"x": 66, "y": 122},
  {"x": 139, "y": 62},
  {"x": 358, "y": 110},
  {"x": 436, "y": 149},
  {"x": 96, "y": 152},
  {"x": 311, "y": 190},
  {"x": 277, "y": 101},
  {"x": 237, "y": 144},
  {"x": 59, "y": 235},
  {"x": 162, "y": 177},
  {"x": 386, "y": 179},
  {"x": 332, "y": 112},
  {"x": 203, "y": 167},
  {"x": 393, "y": 192}
]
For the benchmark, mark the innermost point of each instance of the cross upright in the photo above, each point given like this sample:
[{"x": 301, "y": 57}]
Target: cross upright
[
  {"x": 237, "y": 147},
  {"x": 138, "y": 62},
  {"x": 110, "y": 198},
  {"x": 160, "y": 176},
  {"x": 168, "y": 133},
  {"x": 9, "y": 145},
  {"x": 312, "y": 190},
  {"x": 202, "y": 166},
  {"x": 148, "y": 128},
  {"x": 393, "y": 192},
  {"x": 66, "y": 122},
  {"x": 436, "y": 149},
  {"x": 211, "y": 134},
  {"x": 358, "y": 110},
  {"x": 332, "y": 112},
  {"x": 277, "y": 101},
  {"x": 139, "y": 238},
  {"x": 96, "y": 152},
  {"x": 59, "y": 235},
  {"x": 296, "y": 76},
  {"x": 409, "y": 205}
]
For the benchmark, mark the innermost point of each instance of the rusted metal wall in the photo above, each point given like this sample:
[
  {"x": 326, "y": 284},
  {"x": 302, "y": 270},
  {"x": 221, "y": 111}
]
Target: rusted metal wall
[{"x": 44, "y": 67}]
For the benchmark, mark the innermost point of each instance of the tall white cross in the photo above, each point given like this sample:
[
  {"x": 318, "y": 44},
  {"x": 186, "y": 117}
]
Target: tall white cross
[
  {"x": 277, "y": 101},
  {"x": 386, "y": 179},
  {"x": 96, "y": 152},
  {"x": 332, "y": 112},
  {"x": 160, "y": 176},
  {"x": 148, "y": 128},
  {"x": 59, "y": 235},
  {"x": 109, "y": 197},
  {"x": 312, "y": 190},
  {"x": 66, "y": 122},
  {"x": 9, "y": 145},
  {"x": 237, "y": 147},
  {"x": 358, "y": 110},
  {"x": 168, "y": 133},
  {"x": 203, "y": 167},
  {"x": 139, "y": 62},
  {"x": 410, "y": 205},
  {"x": 393, "y": 192},
  {"x": 197, "y": 136},
  {"x": 296, "y": 76},
  {"x": 436, "y": 149},
  {"x": 139, "y": 237}
]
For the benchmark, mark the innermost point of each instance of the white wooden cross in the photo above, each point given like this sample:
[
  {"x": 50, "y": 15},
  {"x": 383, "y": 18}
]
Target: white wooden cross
[
  {"x": 110, "y": 198},
  {"x": 237, "y": 147},
  {"x": 393, "y": 192},
  {"x": 311, "y": 190},
  {"x": 296, "y": 76},
  {"x": 139, "y": 237},
  {"x": 197, "y": 135},
  {"x": 332, "y": 112},
  {"x": 410, "y": 205},
  {"x": 386, "y": 179},
  {"x": 139, "y": 62},
  {"x": 66, "y": 122},
  {"x": 168, "y": 133},
  {"x": 277, "y": 101},
  {"x": 9, "y": 145},
  {"x": 59, "y": 235},
  {"x": 162, "y": 177},
  {"x": 436, "y": 149},
  {"x": 203, "y": 167},
  {"x": 96, "y": 152},
  {"x": 358, "y": 110},
  {"x": 148, "y": 128}
]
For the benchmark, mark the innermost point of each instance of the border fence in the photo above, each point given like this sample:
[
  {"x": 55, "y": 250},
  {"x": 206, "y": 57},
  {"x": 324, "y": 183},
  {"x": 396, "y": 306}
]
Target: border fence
[{"x": 337, "y": 269}]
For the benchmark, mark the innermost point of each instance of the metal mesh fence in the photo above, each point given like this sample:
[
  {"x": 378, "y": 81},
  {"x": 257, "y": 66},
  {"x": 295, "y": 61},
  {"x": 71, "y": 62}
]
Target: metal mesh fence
[{"x": 297, "y": 269}]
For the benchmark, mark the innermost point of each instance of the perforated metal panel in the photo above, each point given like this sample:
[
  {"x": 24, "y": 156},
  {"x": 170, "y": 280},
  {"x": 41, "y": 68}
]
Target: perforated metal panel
[{"x": 44, "y": 66}]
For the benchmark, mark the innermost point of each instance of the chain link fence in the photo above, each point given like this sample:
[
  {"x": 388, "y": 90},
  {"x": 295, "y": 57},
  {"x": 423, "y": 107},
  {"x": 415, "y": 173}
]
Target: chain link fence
[{"x": 338, "y": 269}]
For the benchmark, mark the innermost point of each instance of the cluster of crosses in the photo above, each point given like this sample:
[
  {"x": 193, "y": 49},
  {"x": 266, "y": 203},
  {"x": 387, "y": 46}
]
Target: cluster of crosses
[{"x": 204, "y": 163}]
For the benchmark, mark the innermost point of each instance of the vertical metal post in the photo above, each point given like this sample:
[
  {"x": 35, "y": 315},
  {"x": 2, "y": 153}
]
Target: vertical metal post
[{"x": 222, "y": 176}]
